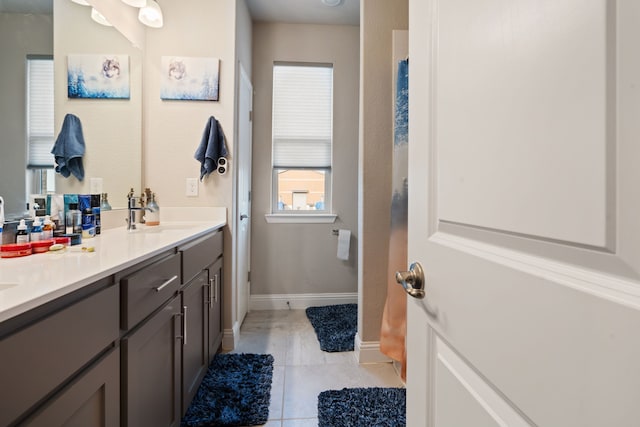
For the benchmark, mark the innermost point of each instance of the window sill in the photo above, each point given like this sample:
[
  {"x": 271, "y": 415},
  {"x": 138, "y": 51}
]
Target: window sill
[{"x": 300, "y": 218}]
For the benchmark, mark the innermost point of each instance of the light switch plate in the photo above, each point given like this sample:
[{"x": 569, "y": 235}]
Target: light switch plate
[
  {"x": 192, "y": 187},
  {"x": 95, "y": 185}
]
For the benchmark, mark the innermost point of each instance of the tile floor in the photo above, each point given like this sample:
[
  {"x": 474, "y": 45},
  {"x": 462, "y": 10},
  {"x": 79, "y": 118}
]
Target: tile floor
[{"x": 301, "y": 370}]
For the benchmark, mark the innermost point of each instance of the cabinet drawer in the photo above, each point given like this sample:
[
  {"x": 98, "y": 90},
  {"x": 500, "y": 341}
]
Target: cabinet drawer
[
  {"x": 147, "y": 289},
  {"x": 199, "y": 254},
  {"x": 39, "y": 358}
]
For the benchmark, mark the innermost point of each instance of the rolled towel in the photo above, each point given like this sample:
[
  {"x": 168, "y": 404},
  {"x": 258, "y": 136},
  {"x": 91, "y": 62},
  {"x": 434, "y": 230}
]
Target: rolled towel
[
  {"x": 212, "y": 147},
  {"x": 69, "y": 148}
]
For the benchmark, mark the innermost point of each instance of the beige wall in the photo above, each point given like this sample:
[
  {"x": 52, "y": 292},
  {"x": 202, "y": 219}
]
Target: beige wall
[
  {"x": 20, "y": 35},
  {"x": 159, "y": 138},
  {"x": 111, "y": 127},
  {"x": 301, "y": 258},
  {"x": 172, "y": 130},
  {"x": 378, "y": 18}
]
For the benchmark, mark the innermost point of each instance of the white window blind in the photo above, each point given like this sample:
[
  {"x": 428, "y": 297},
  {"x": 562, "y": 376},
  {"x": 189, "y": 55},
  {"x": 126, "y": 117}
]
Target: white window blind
[
  {"x": 40, "y": 136},
  {"x": 302, "y": 116}
]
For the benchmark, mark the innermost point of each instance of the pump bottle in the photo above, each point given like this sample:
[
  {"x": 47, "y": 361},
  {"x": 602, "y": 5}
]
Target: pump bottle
[
  {"x": 22, "y": 236},
  {"x": 36, "y": 230}
]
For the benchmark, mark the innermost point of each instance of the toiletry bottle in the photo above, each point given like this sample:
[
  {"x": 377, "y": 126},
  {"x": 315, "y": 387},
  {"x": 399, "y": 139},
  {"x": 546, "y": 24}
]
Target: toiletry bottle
[
  {"x": 104, "y": 204},
  {"x": 1, "y": 217},
  {"x": 22, "y": 236},
  {"x": 95, "y": 209},
  {"x": 47, "y": 228},
  {"x": 36, "y": 230},
  {"x": 153, "y": 215},
  {"x": 73, "y": 219}
]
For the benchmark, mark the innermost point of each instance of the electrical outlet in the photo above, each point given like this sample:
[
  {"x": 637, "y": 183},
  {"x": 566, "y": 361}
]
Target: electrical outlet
[{"x": 192, "y": 187}]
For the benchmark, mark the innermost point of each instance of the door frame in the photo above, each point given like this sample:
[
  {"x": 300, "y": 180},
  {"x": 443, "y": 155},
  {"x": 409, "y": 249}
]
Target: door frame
[{"x": 235, "y": 220}]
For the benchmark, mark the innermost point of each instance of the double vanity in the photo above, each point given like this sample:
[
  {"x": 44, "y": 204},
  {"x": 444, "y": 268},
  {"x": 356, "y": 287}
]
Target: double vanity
[{"x": 118, "y": 336}]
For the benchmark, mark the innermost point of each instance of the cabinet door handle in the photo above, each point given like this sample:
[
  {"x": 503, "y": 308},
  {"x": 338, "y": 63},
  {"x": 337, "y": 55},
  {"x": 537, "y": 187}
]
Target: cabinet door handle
[
  {"x": 215, "y": 291},
  {"x": 211, "y": 292},
  {"x": 179, "y": 337},
  {"x": 184, "y": 325},
  {"x": 165, "y": 284}
]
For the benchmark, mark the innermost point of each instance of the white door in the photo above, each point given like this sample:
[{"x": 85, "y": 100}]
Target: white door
[
  {"x": 524, "y": 211},
  {"x": 243, "y": 195}
]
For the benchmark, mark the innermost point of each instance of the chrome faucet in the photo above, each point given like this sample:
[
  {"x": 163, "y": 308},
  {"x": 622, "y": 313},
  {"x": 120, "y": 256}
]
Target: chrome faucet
[{"x": 132, "y": 208}]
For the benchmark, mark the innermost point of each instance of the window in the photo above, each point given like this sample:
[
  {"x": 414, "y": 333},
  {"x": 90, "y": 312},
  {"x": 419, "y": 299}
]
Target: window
[
  {"x": 40, "y": 134},
  {"x": 40, "y": 111},
  {"x": 302, "y": 133}
]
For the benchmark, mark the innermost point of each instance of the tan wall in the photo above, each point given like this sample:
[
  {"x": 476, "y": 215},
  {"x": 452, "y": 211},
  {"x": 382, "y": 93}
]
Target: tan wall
[
  {"x": 19, "y": 35},
  {"x": 157, "y": 139},
  {"x": 112, "y": 128},
  {"x": 172, "y": 130},
  {"x": 301, "y": 258},
  {"x": 378, "y": 18}
]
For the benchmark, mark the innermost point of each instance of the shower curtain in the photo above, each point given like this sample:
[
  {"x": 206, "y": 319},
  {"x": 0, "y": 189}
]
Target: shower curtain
[{"x": 394, "y": 318}]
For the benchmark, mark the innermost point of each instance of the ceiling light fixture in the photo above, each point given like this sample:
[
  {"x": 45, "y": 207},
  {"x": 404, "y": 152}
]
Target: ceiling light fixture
[
  {"x": 135, "y": 3},
  {"x": 151, "y": 15},
  {"x": 99, "y": 18},
  {"x": 332, "y": 3},
  {"x": 81, "y": 2}
]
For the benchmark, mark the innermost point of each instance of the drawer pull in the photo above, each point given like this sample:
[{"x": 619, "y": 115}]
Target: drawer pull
[{"x": 161, "y": 287}]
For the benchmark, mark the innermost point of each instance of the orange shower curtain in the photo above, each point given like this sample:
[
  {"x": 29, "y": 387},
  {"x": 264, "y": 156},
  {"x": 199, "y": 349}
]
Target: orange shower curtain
[{"x": 394, "y": 318}]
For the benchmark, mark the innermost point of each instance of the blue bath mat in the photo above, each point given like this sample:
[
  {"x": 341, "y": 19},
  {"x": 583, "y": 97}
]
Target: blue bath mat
[
  {"x": 335, "y": 326},
  {"x": 362, "y": 407},
  {"x": 235, "y": 392}
]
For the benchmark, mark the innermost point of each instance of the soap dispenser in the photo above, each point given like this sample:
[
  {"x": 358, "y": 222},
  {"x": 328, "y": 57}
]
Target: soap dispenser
[
  {"x": 104, "y": 203},
  {"x": 152, "y": 217}
]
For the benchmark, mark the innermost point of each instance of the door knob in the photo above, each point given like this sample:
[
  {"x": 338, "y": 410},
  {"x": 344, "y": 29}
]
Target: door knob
[
  {"x": 412, "y": 281},
  {"x": 243, "y": 216}
]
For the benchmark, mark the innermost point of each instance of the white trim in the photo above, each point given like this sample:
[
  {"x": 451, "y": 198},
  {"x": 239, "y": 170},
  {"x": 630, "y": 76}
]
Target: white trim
[
  {"x": 299, "y": 301},
  {"x": 368, "y": 352},
  {"x": 300, "y": 218},
  {"x": 230, "y": 337}
]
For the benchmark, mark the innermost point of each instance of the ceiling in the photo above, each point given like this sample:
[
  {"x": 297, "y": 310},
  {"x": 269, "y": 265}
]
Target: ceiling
[
  {"x": 305, "y": 11},
  {"x": 292, "y": 11},
  {"x": 27, "y": 6}
]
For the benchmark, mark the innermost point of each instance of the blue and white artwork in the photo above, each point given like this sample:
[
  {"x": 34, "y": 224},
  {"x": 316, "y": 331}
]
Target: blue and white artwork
[
  {"x": 93, "y": 76},
  {"x": 189, "y": 78}
]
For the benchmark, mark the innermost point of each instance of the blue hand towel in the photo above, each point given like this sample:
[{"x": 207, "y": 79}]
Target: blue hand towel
[
  {"x": 69, "y": 148},
  {"x": 212, "y": 147}
]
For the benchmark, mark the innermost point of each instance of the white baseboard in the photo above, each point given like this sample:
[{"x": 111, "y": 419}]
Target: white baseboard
[
  {"x": 230, "y": 337},
  {"x": 369, "y": 352},
  {"x": 299, "y": 301}
]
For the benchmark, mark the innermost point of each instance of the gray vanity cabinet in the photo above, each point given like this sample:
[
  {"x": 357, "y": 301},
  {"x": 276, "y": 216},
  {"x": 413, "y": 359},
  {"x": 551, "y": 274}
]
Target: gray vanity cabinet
[
  {"x": 151, "y": 344},
  {"x": 215, "y": 307},
  {"x": 151, "y": 370},
  {"x": 91, "y": 400},
  {"x": 195, "y": 358},
  {"x": 57, "y": 363},
  {"x": 202, "y": 306}
]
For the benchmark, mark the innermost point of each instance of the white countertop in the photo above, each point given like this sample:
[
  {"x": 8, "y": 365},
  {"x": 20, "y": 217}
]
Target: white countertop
[{"x": 30, "y": 281}]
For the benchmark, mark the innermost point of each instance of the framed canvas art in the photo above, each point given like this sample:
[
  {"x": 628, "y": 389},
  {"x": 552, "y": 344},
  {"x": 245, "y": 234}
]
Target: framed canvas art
[
  {"x": 98, "y": 76},
  {"x": 190, "y": 78}
]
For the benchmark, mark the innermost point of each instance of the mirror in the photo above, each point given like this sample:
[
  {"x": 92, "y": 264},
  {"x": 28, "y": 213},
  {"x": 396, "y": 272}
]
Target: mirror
[{"x": 112, "y": 128}]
